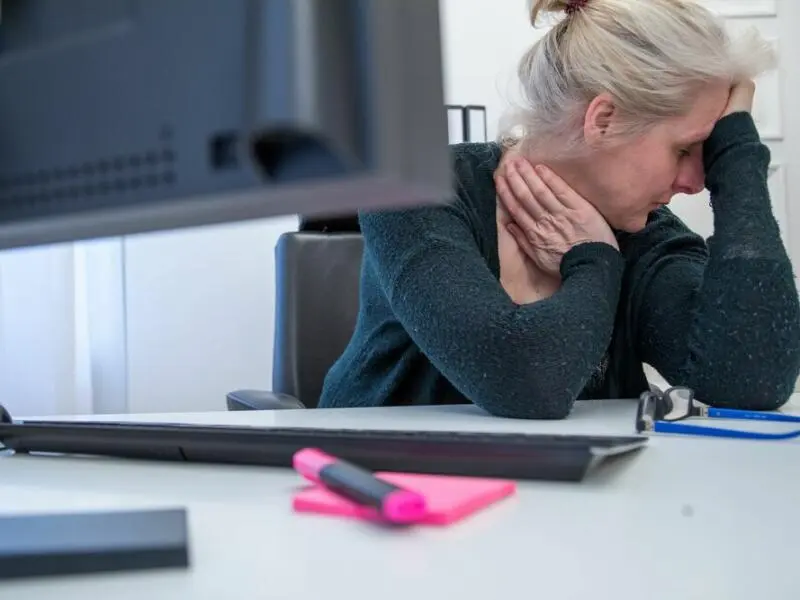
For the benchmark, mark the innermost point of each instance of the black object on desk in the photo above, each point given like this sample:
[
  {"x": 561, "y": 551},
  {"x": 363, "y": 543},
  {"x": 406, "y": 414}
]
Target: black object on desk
[
  {"x": 501, "y": 455},
  {"x": 64, "y": 544}
]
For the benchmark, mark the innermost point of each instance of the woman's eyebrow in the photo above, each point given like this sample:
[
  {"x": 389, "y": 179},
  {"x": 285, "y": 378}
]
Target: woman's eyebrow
[
  {"x": 698, "y": 136},
  {"x": 693, "y": 140}
]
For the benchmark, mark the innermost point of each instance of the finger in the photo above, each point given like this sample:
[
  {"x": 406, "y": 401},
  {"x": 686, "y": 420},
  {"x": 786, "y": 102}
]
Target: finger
[
  {"x": 503, "y": 164},
  {"x": 741, "y": 97},
  {"x": 537, "y": 186},
  {"x": 527, "y": 214},
  {"x": 522, "y": 240},
  {"x": 560, "y": 189},
  {"x": 541, "y": 257}
]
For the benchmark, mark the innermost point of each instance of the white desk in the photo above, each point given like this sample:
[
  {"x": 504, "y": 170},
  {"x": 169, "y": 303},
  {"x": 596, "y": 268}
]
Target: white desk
[{"x": 685, "y": 518}]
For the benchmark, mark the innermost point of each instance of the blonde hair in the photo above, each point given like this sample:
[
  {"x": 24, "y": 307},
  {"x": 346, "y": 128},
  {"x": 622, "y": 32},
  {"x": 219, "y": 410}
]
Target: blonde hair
[{"x": 651, "y": 56}]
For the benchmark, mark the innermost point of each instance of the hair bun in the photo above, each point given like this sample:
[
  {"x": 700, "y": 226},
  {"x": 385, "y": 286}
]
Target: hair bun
[{"x": 539, "y": 7}]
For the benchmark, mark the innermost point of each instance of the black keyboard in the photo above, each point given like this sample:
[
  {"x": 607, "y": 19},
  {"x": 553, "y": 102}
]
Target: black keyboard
[{"x": 505, "y": 455}]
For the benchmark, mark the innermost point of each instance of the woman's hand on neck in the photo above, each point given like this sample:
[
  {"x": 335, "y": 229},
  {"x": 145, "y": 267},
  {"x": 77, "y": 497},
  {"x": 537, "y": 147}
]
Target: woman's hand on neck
[{"x": 521, "y": 278}]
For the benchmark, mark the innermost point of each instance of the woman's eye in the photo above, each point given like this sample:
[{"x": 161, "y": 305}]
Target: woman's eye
[{"x": 683, "y": 153}]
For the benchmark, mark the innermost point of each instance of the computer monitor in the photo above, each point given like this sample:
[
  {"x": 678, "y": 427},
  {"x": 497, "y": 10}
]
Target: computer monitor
[{"x": 127, "y": 116}]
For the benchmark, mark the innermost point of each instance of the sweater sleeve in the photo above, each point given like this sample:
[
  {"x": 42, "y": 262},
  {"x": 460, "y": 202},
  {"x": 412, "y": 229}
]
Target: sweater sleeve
[
  {"x": 520, "y": 361},
  {"x": 723, "y": 318}
]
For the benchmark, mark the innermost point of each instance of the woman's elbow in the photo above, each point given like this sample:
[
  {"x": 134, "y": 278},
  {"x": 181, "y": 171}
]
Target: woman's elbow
[
  {"x": 530, "y": 406},
  {"x": 765, "y": 392},
  {"x": 757, "y": 377}
]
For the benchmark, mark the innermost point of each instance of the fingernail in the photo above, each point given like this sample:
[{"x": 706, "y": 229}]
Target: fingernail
[{"x": 541, "y": 169}]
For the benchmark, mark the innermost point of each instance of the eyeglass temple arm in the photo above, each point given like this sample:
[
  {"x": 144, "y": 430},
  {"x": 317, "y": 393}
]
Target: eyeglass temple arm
[
  {"x": 671, "y": 427},
  {"x": 750, "y": 415}
]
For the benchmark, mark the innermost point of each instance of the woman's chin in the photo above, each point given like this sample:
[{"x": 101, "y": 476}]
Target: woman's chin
[{"x": 632, "y": 224}]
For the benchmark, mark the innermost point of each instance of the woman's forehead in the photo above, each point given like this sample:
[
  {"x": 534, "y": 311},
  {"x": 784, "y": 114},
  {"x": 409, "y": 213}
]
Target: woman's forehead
[{"x": 698, "y": 123}]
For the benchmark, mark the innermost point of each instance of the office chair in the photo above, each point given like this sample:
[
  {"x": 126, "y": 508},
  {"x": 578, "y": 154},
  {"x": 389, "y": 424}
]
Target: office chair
[{"x": 317, "y": 278}]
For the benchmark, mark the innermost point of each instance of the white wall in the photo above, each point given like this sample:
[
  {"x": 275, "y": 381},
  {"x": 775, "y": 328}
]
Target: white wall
[
  {"x": 149, "y": 323},
  {"x": 200, "y": 311},
  {"x": 40, "y": 370}
]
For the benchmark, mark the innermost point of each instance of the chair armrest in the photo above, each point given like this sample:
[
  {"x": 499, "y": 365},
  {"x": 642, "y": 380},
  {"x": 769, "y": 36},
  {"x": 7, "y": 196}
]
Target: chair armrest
[{"x": 261, "y": 400}]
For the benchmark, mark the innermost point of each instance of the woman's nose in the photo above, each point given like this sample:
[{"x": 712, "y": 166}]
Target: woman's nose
[{"x": 691, "y": 177}]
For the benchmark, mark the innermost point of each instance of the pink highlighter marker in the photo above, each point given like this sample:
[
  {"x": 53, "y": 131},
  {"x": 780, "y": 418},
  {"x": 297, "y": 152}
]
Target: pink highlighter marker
[{"x": 359, "y": 485}]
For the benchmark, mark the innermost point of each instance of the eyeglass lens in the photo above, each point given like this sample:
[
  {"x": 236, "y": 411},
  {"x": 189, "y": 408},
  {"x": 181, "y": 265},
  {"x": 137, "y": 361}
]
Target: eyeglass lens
[{"x": 678, "y": 404}]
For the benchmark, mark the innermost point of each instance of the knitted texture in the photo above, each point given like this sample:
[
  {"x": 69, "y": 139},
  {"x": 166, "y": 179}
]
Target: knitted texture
[{"x": 436, "y": 327}]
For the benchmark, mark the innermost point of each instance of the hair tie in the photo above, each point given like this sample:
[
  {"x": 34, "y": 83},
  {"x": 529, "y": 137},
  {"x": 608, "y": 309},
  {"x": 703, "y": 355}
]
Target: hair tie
[{"x": 574, "y": 6}]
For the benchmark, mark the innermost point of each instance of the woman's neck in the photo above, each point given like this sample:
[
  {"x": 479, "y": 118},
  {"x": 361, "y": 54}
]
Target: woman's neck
[{"x": 576, "y": 172}]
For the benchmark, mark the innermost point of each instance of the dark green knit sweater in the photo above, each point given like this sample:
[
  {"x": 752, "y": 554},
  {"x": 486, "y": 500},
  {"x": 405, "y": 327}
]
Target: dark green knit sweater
[{"x": 435, "y": 325}]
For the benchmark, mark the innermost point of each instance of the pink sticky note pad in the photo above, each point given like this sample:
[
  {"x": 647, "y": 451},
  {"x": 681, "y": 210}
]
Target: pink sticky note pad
[{"x": 449, "y": 499}]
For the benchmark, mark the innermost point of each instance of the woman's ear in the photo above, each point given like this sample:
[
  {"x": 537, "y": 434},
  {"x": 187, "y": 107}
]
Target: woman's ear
[{"x": 599, "y": 120}]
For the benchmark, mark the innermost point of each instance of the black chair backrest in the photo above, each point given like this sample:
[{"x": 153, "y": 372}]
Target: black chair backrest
[
  {"x": 345, "y": 223},
  {"x": 316, "y": 307}
]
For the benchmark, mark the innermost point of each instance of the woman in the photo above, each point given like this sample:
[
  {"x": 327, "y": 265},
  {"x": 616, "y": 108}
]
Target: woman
[{"x": 579, "y": 274}]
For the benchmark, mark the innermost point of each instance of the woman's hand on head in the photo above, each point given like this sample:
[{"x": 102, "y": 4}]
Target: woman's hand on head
[
  {"x": 547, "y": 217},
  {"x": 741, "y": 98}
]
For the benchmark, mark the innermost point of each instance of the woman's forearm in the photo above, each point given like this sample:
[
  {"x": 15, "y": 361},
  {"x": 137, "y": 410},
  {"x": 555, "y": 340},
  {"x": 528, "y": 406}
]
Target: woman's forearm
[{"x": 744, "y": 349}]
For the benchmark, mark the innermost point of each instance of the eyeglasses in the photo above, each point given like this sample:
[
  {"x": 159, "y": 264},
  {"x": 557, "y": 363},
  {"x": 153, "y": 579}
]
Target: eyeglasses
[{"x": 660, "y": 412}]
